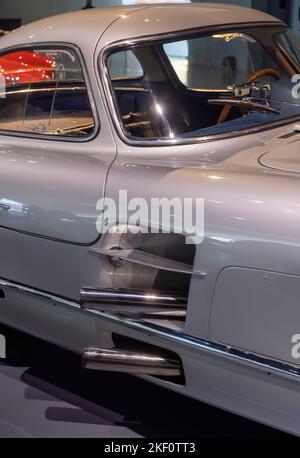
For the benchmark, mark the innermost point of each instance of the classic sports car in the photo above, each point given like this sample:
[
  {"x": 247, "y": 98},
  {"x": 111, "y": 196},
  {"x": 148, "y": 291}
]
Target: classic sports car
[{"x": 173, "y": 104}]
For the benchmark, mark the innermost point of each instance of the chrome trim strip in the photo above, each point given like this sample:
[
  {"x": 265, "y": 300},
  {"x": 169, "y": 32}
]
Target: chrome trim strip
[
  {"x": 46, "y": 89},
  {"x": 16, "y": 287},
  {"x": 246, "y": 104},
  {"x": 234, "y": 354}
]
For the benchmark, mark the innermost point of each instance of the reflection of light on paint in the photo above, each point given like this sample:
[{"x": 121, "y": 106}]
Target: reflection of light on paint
[
  {"x": 222, "y": 239},
  {"x": 66, "y": 220},
  {"x": 289, "y": 212},
  {"x": 239, "y": 218},
  {"x": 215, "y": 177},
  {"x": 16, "y": 207}
]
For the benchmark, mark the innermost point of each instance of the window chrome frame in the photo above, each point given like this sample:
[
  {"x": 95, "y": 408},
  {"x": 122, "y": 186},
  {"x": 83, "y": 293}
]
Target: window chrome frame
[
  {"x": 40, "y": 136},
  {"x": 127, "y": 44}
]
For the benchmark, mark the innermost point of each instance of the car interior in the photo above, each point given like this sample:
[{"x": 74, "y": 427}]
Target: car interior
[
  {"x": 50, "y": 108},
  {"x": 156, "y": 103}
]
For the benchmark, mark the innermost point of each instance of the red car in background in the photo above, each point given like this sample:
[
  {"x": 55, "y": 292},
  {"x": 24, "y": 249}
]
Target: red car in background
[{"x": 26, "y": 67}]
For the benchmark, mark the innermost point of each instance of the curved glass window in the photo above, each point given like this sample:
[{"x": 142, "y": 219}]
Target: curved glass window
[
  {"x": 123, "y": 65},
  {"x": 291, "y": 44},
  {"x": 204, "y": 85},
  {"x": 42, "y": 91}
]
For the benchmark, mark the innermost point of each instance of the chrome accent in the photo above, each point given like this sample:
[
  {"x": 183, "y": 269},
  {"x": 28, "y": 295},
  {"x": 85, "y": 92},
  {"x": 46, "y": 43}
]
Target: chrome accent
[
  {"x": 133, "y": 302},
  {"x": 113, "y": 109},
  {"x": 130, "y": 88},
  {"x": 254, "y": 360},
  {"x": 131, "y": 362},
  {"x": 52, "y": 89},
  {"x": 208, "y": 90},
  {"x": 292, "y": 61},
  {"x": 243, "y": 104},
  {"x": 4, "y": 206},
  {"x": 16, "y": 287},
  {"x": 148, "y": 259}
]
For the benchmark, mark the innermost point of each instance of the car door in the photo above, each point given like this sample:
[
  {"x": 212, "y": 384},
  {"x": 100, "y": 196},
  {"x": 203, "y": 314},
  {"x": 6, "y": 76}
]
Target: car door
[{"x": 54, "y": 157}]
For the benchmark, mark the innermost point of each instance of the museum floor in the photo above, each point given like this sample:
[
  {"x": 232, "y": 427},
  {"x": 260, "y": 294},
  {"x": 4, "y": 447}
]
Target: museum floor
[{"x": 44, "y": 392}]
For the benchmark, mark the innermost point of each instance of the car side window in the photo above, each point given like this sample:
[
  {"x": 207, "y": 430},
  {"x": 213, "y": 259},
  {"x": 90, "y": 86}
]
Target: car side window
[
  {"x": 123, "y": 65},
  {"x": 217, "y": 61},
  {"x": 43, "y": 92}
]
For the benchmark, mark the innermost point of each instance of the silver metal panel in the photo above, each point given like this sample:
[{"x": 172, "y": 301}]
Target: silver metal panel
[
  {"x": 166, "y": 18},
  {"x": 257, "y": 311},
  {"x": 285, "y": 158},
  {"x": 45, "y": 185},
  {"x": 148, "y": 20}
]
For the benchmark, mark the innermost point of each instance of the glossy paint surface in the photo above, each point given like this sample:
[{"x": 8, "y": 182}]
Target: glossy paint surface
[{"x": 59, "y": 199}]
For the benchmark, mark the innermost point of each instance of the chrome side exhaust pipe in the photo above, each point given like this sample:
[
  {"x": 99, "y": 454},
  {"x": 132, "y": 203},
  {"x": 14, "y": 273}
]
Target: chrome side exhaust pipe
[
  {"x": 131, "y": 362},
  {"x": 134, "y": 302}
]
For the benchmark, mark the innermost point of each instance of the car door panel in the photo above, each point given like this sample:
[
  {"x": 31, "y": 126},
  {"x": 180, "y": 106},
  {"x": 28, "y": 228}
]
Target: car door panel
[{"x": 50, "y": 189}]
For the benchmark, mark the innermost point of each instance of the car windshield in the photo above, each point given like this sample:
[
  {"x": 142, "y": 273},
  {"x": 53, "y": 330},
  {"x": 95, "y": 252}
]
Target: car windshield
[{"x": 206, "y": 84}]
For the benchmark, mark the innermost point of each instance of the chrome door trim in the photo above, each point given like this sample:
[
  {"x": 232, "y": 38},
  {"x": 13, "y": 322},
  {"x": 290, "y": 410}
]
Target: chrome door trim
[
  {"x": 18, "y": 288},
  {"x": 253, "y": 360}
]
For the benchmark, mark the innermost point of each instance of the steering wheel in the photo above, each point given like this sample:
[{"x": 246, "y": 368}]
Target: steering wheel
[{"x": 259, "y": 74}]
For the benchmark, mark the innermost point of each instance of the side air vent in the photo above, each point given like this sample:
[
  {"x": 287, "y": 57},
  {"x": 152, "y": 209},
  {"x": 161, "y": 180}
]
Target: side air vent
[{"x": 147, "y": 276}]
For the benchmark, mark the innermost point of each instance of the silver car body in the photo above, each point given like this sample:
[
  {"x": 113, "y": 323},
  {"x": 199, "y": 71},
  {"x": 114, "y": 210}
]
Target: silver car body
[{"x": 235, "y": 345}]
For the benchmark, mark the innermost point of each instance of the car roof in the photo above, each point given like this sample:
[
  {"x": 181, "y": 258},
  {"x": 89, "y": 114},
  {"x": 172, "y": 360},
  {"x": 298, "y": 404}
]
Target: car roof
[{"x": 84, "y": 28}]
